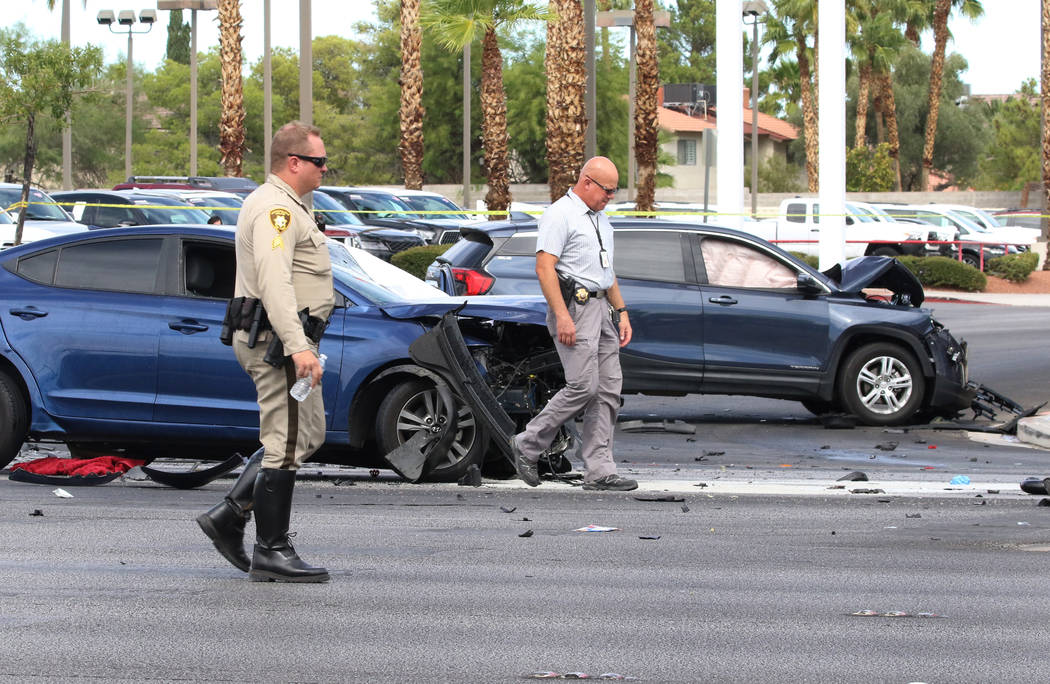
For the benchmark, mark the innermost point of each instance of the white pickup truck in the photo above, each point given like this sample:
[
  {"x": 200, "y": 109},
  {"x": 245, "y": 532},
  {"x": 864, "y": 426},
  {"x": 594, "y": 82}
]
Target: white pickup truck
[{"x": 869, "y": 231}]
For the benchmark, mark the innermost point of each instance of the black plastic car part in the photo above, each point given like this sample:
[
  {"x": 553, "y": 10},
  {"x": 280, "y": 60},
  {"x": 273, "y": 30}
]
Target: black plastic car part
[
  {"x": 443, "y": 350},
  {"x": 416, "y": 458},
  {"x": 191, "y": 479}
]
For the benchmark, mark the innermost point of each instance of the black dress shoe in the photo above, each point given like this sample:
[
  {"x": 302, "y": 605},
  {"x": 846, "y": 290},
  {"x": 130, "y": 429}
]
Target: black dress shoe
[
  {"x": 611, "y": 483},
  {"x": 526, "y": 470}
]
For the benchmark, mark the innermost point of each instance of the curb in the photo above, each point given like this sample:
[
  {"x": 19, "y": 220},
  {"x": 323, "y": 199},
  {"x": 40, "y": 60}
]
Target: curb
[{"x": 1035, "y": 430}]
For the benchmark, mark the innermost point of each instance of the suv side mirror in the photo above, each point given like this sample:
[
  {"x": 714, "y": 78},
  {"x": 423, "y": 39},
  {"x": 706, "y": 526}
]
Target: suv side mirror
[{"x": 808, "y": 284}]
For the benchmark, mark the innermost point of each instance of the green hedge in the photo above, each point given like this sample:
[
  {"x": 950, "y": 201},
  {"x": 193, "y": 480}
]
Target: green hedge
[
  {"x": 416, "y": 259},
  {"x": 942, "y": 271},
  {"x": 1013, "y": 267},
  {"x": 809, "y": 259}
]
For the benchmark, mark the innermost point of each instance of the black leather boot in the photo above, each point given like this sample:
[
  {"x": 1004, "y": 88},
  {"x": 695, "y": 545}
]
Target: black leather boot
[
  {"x": 274, "y": 559},
  {"x": 224, "y": 522}
]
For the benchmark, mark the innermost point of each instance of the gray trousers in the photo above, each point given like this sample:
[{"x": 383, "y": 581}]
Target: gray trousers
[{"x": 592, "y": 385}]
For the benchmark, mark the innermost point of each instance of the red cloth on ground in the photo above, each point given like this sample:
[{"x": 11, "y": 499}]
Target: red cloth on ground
[{"x": 103, "y": 465}]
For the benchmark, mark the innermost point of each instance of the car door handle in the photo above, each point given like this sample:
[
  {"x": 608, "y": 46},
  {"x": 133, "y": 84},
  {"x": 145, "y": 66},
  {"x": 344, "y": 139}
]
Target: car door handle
[
  {"x": 28, "y": 313},
  {"x": 724, "y": 299},
  {"x": 187, "y": 327}
]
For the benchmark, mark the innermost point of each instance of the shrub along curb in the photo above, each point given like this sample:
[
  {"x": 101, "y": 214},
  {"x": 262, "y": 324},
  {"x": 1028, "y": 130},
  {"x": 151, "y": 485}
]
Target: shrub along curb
[{"x": 416, "y": 259}]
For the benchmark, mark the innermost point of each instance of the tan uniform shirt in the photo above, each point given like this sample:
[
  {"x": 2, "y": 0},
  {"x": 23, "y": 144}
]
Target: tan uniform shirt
[{"x": 282, "y": 259}]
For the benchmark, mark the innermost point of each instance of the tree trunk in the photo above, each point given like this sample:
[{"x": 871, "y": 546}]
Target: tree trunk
[
  {"x": 880, "y": 119},
  {"x": 564, "y": 62},
  {"x": 27, "y": 175},
  {"x": 940, "y": 41},
  {"x": 411, "y": 83},
  {"x": 645, "y": 123},
  {"x": 231, "y": 125},
  {"x": 809, "y": 114},
  {"x": 1045, "y": 97},
  {"x": 863, "y": 85},
  {"x": 889, "y": 103},
  {"x": 494, "y": 126}
]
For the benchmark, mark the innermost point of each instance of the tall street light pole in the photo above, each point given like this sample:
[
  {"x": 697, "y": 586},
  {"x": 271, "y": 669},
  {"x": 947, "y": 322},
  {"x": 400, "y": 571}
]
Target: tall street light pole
[
  {"x": 193, "y": 6},
  {"x": 756, "y": 9},
  {"x": 126, "y": 18},
  {"x": 306, "y": 64},
  {"x": 466, "y": 126},
  {"x": 267, "y": 90}
]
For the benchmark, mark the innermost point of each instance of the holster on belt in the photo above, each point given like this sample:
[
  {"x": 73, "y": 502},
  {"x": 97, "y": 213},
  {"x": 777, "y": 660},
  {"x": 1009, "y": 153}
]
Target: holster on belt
[
  {"x": 244, "y": 313},
  {"x": 571, "y": 291},
  {"x": 313, "y": 327}
]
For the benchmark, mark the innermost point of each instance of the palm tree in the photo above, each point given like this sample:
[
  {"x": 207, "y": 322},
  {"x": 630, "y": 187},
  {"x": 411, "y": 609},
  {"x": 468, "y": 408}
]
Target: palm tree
[
  {"x": 411, "y": 95},
  {"x": 1045, "y": 97},
  {"x": 231, "y": 125},
  {"x": 564, "y": 62},
  {"x": 645, "y": 124},
  {"x": 458, "y": 22},
  {"x": 941, "y": 10},
  {"x": 788, "y": 31}
]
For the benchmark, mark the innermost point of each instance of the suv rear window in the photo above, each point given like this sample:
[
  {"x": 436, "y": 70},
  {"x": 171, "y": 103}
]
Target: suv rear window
[{"x": 469, "y": 251}]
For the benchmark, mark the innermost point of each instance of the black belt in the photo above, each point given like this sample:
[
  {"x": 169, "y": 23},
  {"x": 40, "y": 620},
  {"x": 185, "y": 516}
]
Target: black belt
[{"x": 596, "y": 294}]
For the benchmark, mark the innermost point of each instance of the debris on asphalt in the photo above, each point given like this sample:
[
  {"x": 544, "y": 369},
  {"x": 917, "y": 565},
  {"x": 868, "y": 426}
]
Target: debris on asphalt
[
  {"x": 960, "y": 480},
  {"x": 670, "y": 498},
  {"x": 711, "y": 452},
  {"x": 36, "y": 513},
  {"x": 649, "y": 536},
  {"x": 920, "y": 441},
  {"x": 855, "y": 476},
  {"x": 597, "y": 528},
  {"x": 685, "y": 509},
  {"x": 913, "y": 515},
  {"x": 931, "y": 446},
  {"x": 460, "y": 497},
  {"x": 194, "y": 477},
  {"x": 886, "y": 446},
  {"x": 700, "y": 484},
  {"x": 866, "y": 491},
  {"x": 526, "y": 519},
  {"x": 1036, "y": 485},
  {"x": 374, "y": 472},
  {"x": 471, "y": 478},
  {"x": 673, "y": 426},
  {"x": 345, "y": 481},
  {"x": 579, "y": 675},
  {"x": 838, "y": 421},
  {"x": 894, "y": 614},
  {"x": 993, "y": 491},
  {"x": 1022, "y": 523},
  {"x": 979, "y": 503},
  {"x": 526, "y": 533},
  {"x": 508, "y": 509},
  {"x": 61, "y": 493},
  {"x": 1042, "y": 502}
]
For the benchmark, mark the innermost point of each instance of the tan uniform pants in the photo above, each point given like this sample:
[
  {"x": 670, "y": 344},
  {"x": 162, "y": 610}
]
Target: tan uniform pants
[
  {"x": 290, "y": 431},
  {"x": 592, "y": 384}
]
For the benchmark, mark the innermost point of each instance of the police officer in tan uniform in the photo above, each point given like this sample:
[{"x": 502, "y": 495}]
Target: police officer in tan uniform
[{"x": 283, "y": 267}]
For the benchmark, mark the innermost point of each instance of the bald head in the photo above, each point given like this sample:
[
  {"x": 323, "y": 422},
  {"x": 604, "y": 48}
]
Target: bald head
[{"x": 598, "y": 178}]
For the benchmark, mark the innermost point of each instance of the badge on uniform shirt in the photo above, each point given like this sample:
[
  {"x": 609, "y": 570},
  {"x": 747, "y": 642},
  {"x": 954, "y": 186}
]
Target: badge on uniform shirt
[
  {"x": 280, "y": 219},
  {"x": 277, "y": 243}
]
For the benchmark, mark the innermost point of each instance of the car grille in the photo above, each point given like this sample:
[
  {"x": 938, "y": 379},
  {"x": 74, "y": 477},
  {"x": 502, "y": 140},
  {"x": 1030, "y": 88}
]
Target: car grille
[
  {"x": 401, "y": 245},
  {"x": 449, "y": 237}
]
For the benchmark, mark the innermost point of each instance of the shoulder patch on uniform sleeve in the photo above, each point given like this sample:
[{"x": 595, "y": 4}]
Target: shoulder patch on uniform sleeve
[
  {"x": 280, "y": 219},
  {"x": 277, "y": 243}
]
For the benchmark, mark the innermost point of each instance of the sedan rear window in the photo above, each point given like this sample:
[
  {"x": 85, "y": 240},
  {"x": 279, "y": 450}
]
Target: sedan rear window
[{"x": 118, "y": 265}]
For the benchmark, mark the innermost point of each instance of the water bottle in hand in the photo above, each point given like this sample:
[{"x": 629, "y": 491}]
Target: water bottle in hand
[{"x": 301, "y": 389}]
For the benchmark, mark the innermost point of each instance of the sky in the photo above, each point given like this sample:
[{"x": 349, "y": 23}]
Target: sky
[{"x": 1002, "y": 48}]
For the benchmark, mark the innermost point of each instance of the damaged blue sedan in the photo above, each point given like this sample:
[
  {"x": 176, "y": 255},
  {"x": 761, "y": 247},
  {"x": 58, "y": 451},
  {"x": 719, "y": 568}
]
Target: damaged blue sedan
[{"x": 110, "y": 340}]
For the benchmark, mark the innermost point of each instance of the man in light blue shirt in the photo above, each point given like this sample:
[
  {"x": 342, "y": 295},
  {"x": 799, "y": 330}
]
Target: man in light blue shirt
[{"x": 588, "y": 320}]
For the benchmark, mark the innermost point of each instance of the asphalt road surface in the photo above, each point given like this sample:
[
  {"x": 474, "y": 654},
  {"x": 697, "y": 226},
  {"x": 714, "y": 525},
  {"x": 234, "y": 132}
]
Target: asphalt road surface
[{"x": 762, "y": 566}]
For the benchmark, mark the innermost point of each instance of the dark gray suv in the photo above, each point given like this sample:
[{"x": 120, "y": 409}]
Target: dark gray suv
[{"x": 718, "y": 311}]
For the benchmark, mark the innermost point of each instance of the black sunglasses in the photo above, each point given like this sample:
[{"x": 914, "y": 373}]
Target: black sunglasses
[
  {"x": 319, "y": 162},
  {"x": 608, "y": 191}
]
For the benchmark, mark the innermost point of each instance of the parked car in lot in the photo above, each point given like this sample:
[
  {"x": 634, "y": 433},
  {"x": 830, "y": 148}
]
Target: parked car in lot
[
  {"x": 113, "y": 208},
  {"x": 235, "y": 184},
  {"x": 341, "y": 224},
  {"x": 110, "y": 338},
  {"x": 225, "y": 205},
  {"x": 43, "y": 217},
  {"x": 1022, "y": 218},
  {"x": 718, "y": 311},
  {"x": 387, "y": 209}
]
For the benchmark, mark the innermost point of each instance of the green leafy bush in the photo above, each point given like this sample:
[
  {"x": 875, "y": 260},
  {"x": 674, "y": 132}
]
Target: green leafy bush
[
  {"x": 942, "y": 271},
  {"x": 1013, "y": 267},
  {"x": 811, "y": 261},
  {"x": 416, "y": 259},
  {"x": 869, "y": 169}
]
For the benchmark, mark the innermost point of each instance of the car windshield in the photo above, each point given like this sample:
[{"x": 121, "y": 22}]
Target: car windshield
[
  {"x": 380, "y": 206},
  {"x": 332, "y": 212},
  {"x": 981, "y": 216},
  {"x": 968, "y": 223},
  {"x": 427, "y": 203},
  {"x": 41, "y": 206},
  {"x": 208, "y": 204},
  {"x": 164, "y": 210},
  {"x": 5, "y": 218},
  {"x": 376, "y": 280},
  {"x": 859, "y": 213}
]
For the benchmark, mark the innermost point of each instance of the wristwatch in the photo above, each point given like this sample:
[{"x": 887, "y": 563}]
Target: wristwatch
[{"x": 622, "y": 309}]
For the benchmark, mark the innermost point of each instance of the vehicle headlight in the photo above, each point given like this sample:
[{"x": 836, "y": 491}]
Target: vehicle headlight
[
  {"x": 917, "y": 235},
  {"x": 427, "y": 235}
]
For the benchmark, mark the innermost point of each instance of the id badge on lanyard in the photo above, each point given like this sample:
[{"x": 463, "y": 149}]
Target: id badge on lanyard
[{"x": 603, "y": 256}]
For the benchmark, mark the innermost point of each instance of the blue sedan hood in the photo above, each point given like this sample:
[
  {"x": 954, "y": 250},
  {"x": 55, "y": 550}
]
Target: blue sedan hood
[
  {"x": 879, "y": 272},
  {"x": 510, "y": 308}
]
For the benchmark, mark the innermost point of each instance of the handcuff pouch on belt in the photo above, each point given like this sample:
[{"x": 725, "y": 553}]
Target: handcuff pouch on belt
[{"x": 313, "y": 327}]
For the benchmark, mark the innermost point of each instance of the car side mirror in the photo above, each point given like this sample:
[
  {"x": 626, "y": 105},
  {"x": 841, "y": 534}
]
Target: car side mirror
[
  {"x": 808, "y": 284},
  {"x": 849, "y": 220}
]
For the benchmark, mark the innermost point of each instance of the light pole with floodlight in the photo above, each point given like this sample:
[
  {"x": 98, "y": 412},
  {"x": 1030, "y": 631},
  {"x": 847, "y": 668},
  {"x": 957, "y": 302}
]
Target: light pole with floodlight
[
  {"x": 126, "y": 18},
  {"x": 756, "y": 9}
]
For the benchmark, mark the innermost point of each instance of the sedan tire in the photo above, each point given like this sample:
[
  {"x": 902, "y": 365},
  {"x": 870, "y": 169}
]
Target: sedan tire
[
  {"x": 882, "y": 384},
  {"x": 414, "y": 405},
  {"x": 13, "y": 420}
]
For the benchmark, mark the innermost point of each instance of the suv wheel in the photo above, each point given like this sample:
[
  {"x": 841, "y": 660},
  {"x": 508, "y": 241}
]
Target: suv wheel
[
  {"x": 882, "y": 384},
  {"x": 412, "y": 406},
  {"x": 13, "y": 420}
]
